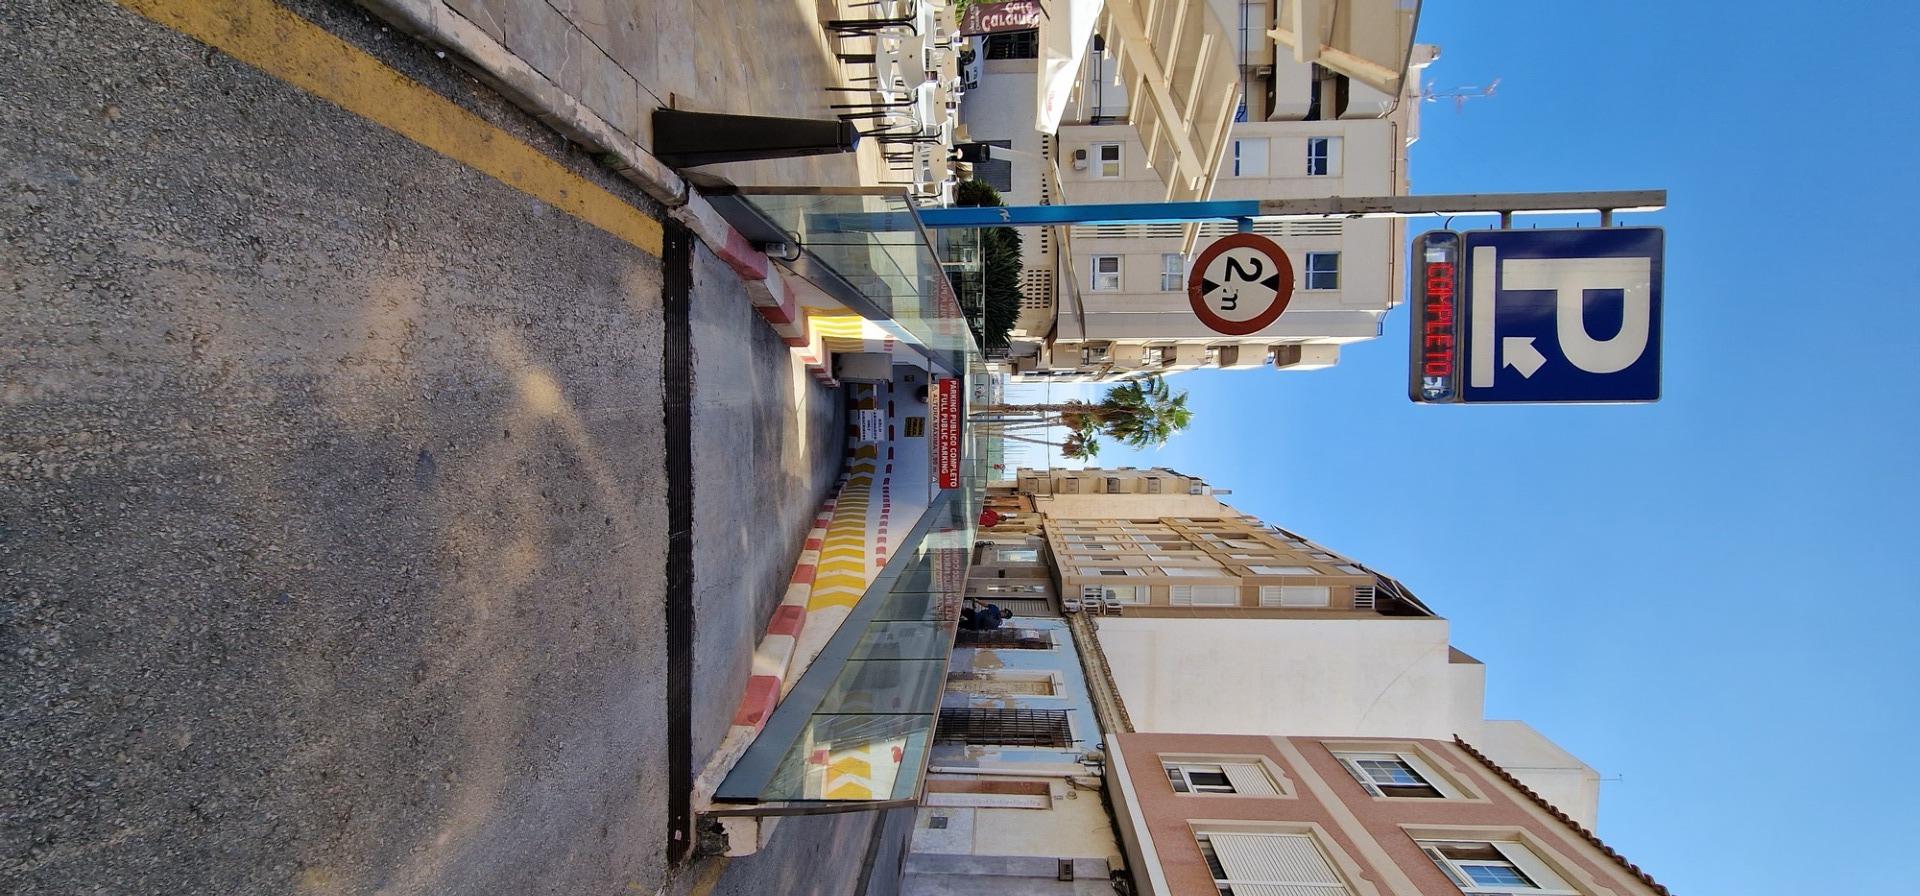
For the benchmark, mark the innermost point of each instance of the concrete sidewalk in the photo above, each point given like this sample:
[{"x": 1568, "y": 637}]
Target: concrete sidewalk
[{"x": 622, "y": 59}]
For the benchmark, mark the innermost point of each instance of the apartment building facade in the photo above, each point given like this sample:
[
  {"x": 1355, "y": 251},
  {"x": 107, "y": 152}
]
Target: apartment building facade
[
  {"x": 1117, "y": 305},
  {"x": 1216, "y": 622},
  {"x": 1123, "y": 480},
  {"x": 1177, "y": 566},
  {"x": 1346, "y": 816}
]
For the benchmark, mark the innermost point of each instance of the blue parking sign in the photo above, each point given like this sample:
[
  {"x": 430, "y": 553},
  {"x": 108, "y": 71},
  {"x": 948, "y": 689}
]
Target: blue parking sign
[{"x": 1560, "y": 315}]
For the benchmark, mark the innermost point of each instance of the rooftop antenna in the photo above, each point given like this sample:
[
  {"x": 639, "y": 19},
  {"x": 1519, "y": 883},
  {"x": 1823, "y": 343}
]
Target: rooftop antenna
[{"x": 1461, "y": 94}]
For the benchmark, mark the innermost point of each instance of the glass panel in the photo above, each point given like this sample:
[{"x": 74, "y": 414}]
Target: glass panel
[
  {"x": 827, "y": 760},
  {"x": 1496, "y": 876},
  {"x": 885, "y": 686},
  {"x": 1390, "y": 771},
  {"x": 904, "y": 641},
  {"x": 914, "y": 606},
  {"x": 875, "y": 244}
]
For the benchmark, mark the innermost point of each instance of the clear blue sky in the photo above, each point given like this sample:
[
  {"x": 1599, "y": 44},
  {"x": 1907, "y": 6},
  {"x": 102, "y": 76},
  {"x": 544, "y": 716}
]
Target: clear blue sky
[{"x": 1711, "y": 600}]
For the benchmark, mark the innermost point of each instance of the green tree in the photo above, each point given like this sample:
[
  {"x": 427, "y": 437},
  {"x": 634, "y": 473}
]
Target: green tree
[
  {"x": 1000, "y": 264},
  {"x": 1142, "y": 413}
]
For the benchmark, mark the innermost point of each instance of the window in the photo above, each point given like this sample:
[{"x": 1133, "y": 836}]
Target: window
[
  {"x": 1106, "y": 272},
  {"x": 1126, "y": 594},
  {"x": 1283, "y": 570},
  {"x": 1495, "y": 867},
  {"x": 1197, "y": 778},
  {"x": 1269, "y": 863},
  {"x": 1013, "y": 45},
  {"x": 1004, "y": 727},
  {"x": 1296, "y": 596},
  {"x": 1204, "y": 596},
  {"x": 1106, "y": 160},
  {"x": 1323, "y": 156},
  {"x": 1190, "y": 571},
  {"x": 1005, "y": 639},
  {"x": 1113, "y": 485},
  {"x": 1323, "y": 270},
  {"x": 1225, "y": 776},
  {"x": 1394, "y": 774},
  {"x": 1003, "y": 684},
  {"x": 1250, "y": 157},
  {"x": 1017, "y": 555},
  {"x": 1114, "y": 572},
  {"x": 1173, "y": 272}
]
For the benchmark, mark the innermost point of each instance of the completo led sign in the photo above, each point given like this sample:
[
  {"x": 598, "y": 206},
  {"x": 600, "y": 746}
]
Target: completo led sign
[{"x": 1434, "y": 362}]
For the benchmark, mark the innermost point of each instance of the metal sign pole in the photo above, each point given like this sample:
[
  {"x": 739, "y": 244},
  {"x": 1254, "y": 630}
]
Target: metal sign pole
[{"x": 1234, "y": 210}]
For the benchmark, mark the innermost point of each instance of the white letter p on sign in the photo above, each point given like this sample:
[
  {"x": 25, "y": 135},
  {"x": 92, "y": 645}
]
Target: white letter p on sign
[{"x": 1570, "y": 278}]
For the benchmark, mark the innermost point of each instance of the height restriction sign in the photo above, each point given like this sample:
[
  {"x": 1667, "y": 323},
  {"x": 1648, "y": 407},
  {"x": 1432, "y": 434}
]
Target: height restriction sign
[{"x": 1240, "y": 284}]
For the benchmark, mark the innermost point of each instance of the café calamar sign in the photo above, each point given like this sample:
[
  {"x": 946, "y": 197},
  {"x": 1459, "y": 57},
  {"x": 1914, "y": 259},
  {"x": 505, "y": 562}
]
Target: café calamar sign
[{"x": 1013, "y": 15}]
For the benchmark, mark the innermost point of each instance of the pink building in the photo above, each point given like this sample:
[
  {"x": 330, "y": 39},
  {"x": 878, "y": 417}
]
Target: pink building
[{"x": 1304, "y": 816}]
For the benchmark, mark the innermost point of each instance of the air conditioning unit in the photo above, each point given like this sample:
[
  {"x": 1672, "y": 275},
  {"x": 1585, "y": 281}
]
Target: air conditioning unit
[
  {"x": 1079, "y": 160},
  {"x": 1365, "y": 597}
]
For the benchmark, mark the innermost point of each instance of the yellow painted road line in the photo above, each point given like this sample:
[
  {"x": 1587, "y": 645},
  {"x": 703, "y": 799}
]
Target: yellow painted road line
[{"x": 275, "y": 41}]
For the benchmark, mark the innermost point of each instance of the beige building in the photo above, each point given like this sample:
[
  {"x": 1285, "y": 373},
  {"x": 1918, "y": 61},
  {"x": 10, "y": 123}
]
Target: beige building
[
  {"x": 1180, "y": 565},
  {"x": 1124, "y": 480},
  {"x": 1108, "y": 302}
]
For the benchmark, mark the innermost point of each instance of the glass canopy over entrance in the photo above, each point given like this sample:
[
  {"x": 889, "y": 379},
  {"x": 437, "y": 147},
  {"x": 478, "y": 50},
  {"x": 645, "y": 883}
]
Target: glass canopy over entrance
[{"x": 854, "y": 730}]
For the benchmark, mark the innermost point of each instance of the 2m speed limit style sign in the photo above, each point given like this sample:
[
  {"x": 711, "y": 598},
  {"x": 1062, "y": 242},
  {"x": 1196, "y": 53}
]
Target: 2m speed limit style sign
[{"x": 1240, "y": 284}]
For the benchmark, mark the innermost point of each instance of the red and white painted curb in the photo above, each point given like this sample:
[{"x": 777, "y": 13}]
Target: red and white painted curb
[{"x": 772, "y": 659}]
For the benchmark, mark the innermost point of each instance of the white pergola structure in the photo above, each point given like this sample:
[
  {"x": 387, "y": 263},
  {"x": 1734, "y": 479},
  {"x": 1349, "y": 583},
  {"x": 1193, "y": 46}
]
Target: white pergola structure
[
  {"x": 1176, "y": 58},
  {"x": 1366, "y": 40}
]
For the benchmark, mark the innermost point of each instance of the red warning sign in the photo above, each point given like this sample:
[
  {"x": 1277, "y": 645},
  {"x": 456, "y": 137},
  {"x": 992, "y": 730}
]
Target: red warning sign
[{"x": 1240, "y": 284}]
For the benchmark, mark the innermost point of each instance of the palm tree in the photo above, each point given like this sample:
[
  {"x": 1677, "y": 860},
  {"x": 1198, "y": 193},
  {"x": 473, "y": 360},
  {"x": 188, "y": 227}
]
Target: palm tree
[
  {"x": 1080, "y": 446},
  {"x": 1141, "y": 413},
  {"x": 1144, "y": 413}
]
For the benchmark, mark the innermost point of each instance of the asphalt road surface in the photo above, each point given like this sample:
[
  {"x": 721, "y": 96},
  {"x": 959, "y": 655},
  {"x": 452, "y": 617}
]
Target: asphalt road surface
[{"x": 332, "y": 505}]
